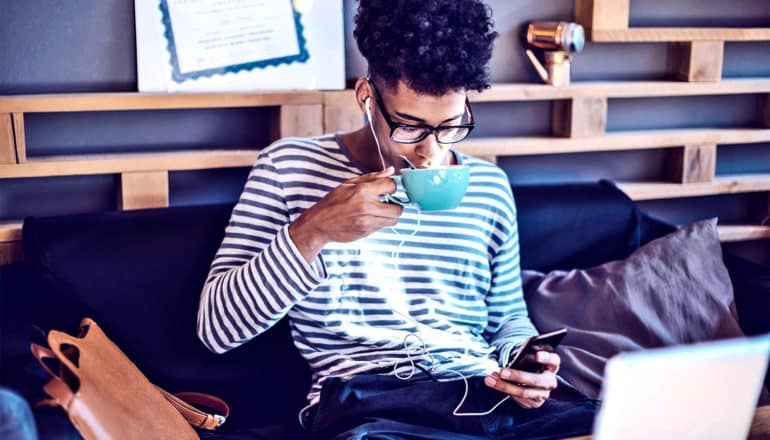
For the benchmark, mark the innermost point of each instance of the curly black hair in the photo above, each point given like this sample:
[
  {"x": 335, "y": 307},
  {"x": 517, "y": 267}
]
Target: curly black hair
[{"x": 434, "y": 46}]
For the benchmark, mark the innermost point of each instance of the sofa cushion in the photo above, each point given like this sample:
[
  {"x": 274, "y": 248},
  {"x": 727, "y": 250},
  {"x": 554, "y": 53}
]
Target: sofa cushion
[
  {"x": 673, "y": 290},
  {"x": 579, "y": 225},
  {"x": 139, "y": 275}
]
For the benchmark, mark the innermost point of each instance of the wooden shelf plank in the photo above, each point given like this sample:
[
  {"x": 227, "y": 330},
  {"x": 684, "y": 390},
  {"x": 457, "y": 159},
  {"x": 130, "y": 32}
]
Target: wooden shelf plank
[
  {"x": 10, "y": 230},
  {"x": 78, "y": 102},
  {"x": 732, "y": 233},
  {"x": 668, "y": 34},
  {"x": 627, "y": 140},
  {"x": 610, "y": 89},
  {"x": 129, "y": 162},
  {"x": 721, "y": 185},
  {"x": 500, "y": 146},
  {"x": 499, "y": 92}
]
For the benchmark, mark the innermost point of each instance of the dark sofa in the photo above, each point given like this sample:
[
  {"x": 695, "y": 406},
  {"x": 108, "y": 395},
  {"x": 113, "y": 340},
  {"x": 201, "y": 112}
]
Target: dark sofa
[{"x": 139, "y": 275}]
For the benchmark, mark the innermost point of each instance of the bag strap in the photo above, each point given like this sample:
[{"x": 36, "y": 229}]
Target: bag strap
[
  {"x": 60, "y": 392},
  {"x": 183, "y": 402},
  {"x": 61, "y": 395}
]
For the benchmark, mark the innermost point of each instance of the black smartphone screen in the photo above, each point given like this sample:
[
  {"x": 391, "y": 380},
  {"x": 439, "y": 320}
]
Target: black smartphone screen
[{"x": 524, "y": 359}]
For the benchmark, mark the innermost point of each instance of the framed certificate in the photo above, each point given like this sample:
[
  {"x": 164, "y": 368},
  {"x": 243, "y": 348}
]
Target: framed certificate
[{"x": 239, "y": 45}]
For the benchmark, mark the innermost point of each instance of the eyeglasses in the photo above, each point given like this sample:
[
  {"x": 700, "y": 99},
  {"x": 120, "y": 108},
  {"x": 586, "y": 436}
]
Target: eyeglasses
[{"x": 410, "y": 134}]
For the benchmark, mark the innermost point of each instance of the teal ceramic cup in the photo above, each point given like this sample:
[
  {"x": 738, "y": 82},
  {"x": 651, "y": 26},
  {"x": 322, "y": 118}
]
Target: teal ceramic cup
[{"x": 432, "y": 189}]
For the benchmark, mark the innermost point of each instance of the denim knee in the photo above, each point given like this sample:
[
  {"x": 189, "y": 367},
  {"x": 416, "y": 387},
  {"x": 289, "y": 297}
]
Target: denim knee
[{"x": 16, "y": 421}]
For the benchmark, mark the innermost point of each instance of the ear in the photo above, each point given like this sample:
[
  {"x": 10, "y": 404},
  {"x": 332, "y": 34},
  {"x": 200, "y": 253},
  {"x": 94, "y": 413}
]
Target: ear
[{"x": 363, "y": 91}]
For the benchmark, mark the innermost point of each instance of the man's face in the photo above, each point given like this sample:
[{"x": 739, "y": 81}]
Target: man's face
[{"x": 404, "y": 106}]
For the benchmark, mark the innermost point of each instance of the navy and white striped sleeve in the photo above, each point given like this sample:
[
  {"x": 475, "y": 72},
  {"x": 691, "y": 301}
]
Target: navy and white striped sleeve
[
  {"x": 509, "y": 324},
  {"x": 258, "y": 273}
]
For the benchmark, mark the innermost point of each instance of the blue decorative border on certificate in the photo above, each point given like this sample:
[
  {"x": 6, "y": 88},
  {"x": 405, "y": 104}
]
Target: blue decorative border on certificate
[{"x": 180, "y": 77}]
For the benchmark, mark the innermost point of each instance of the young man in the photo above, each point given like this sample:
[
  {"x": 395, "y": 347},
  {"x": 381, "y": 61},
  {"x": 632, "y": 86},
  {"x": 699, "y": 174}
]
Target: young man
[{"x": 414, "y": 313}]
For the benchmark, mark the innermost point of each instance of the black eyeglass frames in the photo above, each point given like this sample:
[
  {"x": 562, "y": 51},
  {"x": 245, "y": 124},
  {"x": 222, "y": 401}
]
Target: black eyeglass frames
[{"x": 410, "y": 134}]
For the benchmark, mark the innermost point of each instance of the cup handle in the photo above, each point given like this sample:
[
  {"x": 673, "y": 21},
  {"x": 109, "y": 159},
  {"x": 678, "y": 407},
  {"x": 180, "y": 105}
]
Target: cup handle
[{"x": 390, "y": 198}]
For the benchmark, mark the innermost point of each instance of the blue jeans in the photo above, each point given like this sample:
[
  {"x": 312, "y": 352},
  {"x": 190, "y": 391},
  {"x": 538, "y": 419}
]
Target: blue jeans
[
  {"x": 384, "y": 407},
  {"x": 16, "y": 421}
]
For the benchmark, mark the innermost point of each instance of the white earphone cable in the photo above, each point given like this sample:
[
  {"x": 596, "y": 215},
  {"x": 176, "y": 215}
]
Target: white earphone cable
[{"x": 367, "y": 103}]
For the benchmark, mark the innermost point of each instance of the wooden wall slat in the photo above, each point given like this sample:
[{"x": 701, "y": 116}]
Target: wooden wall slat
[
  {"x": 7, "y": 143},
  {"x": 697, "y": 61},
  {"x": 341, "y": 113},
  {"x": 693, "y": 163},
  {"x": 579, "y": 117},
  {"x": 602, "y": 14},
  {"x": 297, "y": 121},
  {"x": 143, "y": 190},
  {"x": 20, "y": 137}
]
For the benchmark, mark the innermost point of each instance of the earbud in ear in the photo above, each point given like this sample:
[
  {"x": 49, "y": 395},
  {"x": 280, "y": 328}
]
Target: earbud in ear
[{"x": 368, "y": 107}]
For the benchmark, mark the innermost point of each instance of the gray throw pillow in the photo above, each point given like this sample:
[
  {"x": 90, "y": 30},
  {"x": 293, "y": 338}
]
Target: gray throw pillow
[{"x": 673, "y": 290}]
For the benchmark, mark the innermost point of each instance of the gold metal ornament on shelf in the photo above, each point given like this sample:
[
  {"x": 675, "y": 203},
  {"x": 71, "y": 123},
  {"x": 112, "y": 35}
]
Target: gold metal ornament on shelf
[{"x": 559, "y": 41}]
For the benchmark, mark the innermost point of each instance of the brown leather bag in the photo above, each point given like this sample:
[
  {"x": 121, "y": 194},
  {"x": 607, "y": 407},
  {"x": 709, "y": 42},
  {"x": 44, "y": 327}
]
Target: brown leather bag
[{"x": 106, "y": 396}]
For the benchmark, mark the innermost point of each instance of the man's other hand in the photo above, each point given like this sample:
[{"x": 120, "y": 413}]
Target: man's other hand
[{"x": 529, "y": 390}]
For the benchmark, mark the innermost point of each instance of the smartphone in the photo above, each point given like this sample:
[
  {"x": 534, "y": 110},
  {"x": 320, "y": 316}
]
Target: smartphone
[{"x": 524, "y": 359}]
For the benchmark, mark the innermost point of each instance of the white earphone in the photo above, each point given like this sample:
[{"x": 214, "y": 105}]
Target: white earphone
[
  {"x": 368, "y": 109},
  {"x": 371, "y": 126}
]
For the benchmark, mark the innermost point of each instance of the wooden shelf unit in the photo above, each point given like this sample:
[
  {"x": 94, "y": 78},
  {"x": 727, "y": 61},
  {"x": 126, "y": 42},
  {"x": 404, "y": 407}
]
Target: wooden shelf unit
[
  {"x": 697, "y": 53},
  {"x": 143, "y": 177},
  {"x": 299, "y": 113},
  {"x": 694, "y": 151},
  {"x": 295, "y": 113}
]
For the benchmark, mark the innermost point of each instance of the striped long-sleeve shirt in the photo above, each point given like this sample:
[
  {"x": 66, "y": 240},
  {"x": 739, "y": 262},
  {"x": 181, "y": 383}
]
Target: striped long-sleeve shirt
[{"x": 450, "y": 277}]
